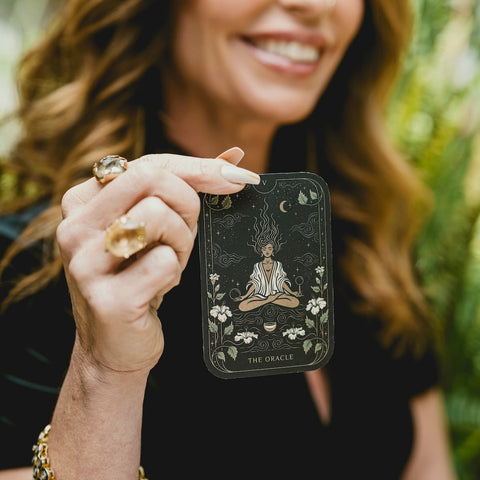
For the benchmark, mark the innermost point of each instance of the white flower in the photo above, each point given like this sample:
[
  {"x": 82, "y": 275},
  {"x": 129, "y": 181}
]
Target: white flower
[
  {"x": 221, "y": 313},
  {"x": 246, "y": 337},
  {"x": 214, "y": 277},
  {"x": 293, "y": 333},
  {"x": 320, "y": 270},
  {"x": 316, "y": 304}
]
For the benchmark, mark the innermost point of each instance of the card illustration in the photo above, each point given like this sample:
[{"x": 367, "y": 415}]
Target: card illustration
[
  {"x": 267, "y": 296},
  {"x": 268, "y": 282}
]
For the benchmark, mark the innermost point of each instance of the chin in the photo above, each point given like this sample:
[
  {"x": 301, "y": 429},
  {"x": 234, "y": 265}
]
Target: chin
[
  {"x": 282, "y": 109},
  {"x": 286, "y": 113}
]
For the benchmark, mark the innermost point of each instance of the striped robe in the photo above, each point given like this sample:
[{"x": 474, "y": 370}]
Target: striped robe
[{"x": 264, "y": 288}]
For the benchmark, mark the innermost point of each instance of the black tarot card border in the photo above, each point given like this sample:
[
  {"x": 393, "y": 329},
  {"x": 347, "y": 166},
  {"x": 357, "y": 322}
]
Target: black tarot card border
[{"x": 266, "y": 277}]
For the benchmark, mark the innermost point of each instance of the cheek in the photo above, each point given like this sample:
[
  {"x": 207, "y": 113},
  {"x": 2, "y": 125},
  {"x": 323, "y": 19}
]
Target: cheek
[
  {"x": 224, "y": 14},
  {"x": 202, "y": 27},
  {"x": 350, "y": 14},
  {"x": 190, "y": 44}
]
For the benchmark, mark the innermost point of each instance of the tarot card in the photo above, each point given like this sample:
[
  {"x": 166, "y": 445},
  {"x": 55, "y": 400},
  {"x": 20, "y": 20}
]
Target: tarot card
[{"x": 266, "y": 277}]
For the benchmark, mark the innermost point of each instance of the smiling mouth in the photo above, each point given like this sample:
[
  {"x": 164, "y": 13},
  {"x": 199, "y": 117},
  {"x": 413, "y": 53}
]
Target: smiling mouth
[{"x": 291, "y": 50}]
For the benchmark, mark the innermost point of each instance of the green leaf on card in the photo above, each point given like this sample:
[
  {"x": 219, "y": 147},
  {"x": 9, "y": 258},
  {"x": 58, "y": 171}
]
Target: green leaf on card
[
  {"x": 227, "y": 202},
  {"x": 302, "y": 198},
  {"x": 232, "y": 351},
  {"x": 307, "y": 345}
]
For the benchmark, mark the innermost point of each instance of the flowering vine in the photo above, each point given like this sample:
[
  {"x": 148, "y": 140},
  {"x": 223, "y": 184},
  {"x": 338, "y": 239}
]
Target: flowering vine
[
  {"x": 316, "y": 306},
  {"x": 220, "y": 314}
]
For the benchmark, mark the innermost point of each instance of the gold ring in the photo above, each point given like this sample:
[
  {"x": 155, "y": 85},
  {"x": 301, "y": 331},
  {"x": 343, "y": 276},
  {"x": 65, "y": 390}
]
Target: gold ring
[
  {"x": 109, "y": 167},
  {"x": 124, "y": 237}
]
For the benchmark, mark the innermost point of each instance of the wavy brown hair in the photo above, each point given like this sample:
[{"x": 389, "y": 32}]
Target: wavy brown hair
[{"x": 86, "y": 91}]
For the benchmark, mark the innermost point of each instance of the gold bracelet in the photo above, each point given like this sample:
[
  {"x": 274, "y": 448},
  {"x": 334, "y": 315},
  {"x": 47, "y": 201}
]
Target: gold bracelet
[{"x": 41, "y": 462}]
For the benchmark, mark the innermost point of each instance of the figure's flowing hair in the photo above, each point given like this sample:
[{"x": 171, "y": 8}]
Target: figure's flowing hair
[
  {"x": 88, "y": 88},
  {"x": 266, "y": 231}
]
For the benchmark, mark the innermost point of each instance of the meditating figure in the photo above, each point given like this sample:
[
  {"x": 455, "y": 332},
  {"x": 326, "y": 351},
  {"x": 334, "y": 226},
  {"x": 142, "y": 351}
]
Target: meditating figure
[{"x": 268, "y": 284}]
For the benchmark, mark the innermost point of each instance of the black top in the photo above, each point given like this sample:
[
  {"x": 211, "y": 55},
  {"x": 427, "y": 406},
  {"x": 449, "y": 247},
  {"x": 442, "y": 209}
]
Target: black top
[{"x": 264, "y": 427}]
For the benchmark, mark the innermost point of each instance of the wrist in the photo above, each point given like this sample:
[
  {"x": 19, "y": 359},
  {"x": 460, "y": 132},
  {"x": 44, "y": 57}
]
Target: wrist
[
  {"x": 41, "y": 460},
  {"x": 95, "y": 373},
  {"x": 96, "y": 426}
]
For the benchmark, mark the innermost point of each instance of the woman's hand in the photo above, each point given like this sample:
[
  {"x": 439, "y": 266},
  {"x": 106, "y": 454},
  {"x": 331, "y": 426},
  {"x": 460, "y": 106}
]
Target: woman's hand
[
  {"x": 115, "y": 300},
  {"x": 119, "y": 336}
]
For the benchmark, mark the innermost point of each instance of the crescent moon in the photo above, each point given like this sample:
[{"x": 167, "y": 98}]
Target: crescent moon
[{"x": 282, "y": 206}]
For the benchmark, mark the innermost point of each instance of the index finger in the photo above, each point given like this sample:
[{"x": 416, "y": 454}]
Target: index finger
[
  {"x": 209, "y": 175},
  {"x": 218, "y": 175}
]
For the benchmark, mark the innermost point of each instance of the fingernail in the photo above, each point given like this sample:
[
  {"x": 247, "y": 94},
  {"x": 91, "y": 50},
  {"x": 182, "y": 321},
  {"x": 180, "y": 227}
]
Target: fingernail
[
  {"x": 234, "y": 174},
  {"x": 232, "y": 155}
]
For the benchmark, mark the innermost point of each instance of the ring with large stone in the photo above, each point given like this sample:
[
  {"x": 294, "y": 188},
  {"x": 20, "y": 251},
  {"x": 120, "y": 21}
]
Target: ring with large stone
[
  {"x": 109, "y": 167},
  {"x": 124, "y": 237}
]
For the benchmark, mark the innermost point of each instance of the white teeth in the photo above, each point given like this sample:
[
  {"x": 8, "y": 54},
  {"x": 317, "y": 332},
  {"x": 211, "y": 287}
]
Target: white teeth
[{"x": 295, "y": 51}]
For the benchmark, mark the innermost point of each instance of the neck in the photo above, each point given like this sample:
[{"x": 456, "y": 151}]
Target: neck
[{"x": 206, "y": 131}]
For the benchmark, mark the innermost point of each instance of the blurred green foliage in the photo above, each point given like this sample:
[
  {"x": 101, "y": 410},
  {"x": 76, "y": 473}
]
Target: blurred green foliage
[
  {"x": 20, "y": 23},
  {"x": 434, "y": 117}
]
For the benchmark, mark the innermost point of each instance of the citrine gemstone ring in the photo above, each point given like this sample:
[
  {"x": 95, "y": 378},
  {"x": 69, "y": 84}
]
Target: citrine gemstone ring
[{"x": 124, "y": 237}]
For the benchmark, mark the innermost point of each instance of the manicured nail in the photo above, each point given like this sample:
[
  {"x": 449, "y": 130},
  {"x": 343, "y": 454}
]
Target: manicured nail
[
  {"x": 232, "y": 155},
  {"x": 234, "y": 174}
]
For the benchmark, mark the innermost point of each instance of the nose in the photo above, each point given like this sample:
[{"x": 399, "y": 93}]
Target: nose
[{"x": 308, "y": 8}]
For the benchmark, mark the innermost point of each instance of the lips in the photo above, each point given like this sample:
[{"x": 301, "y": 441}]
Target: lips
[
  {"x": 294, "y": 54},
  {"x": 291, "y": 50},
  {"x": 299, "y": 48}
]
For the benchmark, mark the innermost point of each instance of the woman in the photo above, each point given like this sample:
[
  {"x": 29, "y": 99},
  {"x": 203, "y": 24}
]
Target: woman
[{"x": 297, "y": 84}]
